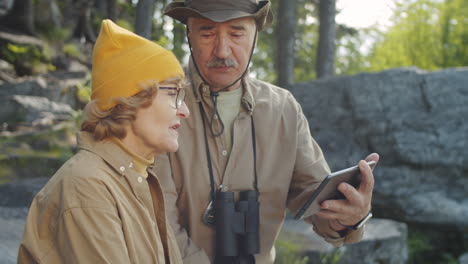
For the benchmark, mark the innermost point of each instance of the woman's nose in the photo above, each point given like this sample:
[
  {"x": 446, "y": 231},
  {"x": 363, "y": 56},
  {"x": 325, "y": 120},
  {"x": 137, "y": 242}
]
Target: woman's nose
[{"x": 183, "y": 111}]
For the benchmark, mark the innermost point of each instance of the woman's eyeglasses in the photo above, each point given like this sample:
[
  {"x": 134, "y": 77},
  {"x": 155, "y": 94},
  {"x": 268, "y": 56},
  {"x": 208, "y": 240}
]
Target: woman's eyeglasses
[{"x": 180, "y": 95}]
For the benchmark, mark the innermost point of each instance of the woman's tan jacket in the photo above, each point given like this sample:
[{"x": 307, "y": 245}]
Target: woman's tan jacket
[{"x": 97, "y": 209}]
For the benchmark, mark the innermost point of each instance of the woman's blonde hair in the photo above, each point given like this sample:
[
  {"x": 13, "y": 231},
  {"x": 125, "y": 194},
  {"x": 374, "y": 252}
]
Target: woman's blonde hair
[{"x": 111, "y": 123}]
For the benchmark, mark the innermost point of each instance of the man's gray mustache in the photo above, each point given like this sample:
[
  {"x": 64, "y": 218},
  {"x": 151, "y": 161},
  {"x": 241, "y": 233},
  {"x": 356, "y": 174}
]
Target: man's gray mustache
[{"x": 217, "y": 62}]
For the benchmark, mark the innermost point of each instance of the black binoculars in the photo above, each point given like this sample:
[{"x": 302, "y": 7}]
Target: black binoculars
[{"x": 237, "y": 224}]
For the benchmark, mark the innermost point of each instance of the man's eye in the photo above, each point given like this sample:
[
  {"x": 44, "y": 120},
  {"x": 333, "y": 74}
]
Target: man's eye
[{"x": 172, "y": 93}]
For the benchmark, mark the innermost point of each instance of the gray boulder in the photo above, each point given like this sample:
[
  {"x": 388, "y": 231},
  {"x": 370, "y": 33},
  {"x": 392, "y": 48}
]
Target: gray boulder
[
  {"x": 415, "y": 120},
  {"x": 20, "y": 193},
  {"x": 464, "y": 259},
  {"x": 30, "y": 86},
  {"x": 58, "y": 87},
  {"x": 384, "y": 242},
  {"x": 33, "y": 110},
  {"x": 11, "y": 230},
  {"x": 5, "y": 6}
]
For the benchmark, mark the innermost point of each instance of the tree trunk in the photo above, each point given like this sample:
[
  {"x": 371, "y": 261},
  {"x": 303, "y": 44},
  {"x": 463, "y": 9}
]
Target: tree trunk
[
  {"x": 20, "y": 17},
  {"x": 101, "y": 7},
  {"x": 83, "y": 29},
  {"x": 144, "y": 18},
  {"x": 327, "y": 34},
  {"x": 49, "y": 15},
  {"x": 112, "y": 9},
  {"x": 179, "y": 40},
  {"x": 286, "y": 38},
  {"x": 107, "y": 9}
]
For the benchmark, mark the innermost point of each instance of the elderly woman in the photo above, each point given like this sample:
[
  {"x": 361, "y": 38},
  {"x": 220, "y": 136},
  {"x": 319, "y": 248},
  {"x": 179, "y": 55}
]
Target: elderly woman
[{"x": 105, "y": 205}]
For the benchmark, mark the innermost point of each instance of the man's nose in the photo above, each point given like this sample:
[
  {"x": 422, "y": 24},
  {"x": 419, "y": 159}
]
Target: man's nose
[
  {"x": 183, "y": 111},
  {"x": 222, "y": 48}
]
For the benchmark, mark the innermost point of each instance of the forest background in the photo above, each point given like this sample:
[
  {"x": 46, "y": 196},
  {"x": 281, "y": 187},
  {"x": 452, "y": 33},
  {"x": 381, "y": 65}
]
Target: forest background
[{"x": 305, "y": 43}]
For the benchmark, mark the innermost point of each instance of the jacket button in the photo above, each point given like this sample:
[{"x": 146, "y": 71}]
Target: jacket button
[
  {"x": 224, "y": 152},
  {"x": 122, "y": 168},
  {"x": 140, "y": 179}
]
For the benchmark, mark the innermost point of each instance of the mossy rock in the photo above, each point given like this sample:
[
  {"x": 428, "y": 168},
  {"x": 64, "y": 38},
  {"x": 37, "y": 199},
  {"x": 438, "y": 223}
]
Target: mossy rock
[
  {"x": 30, "y": 166},
  {"x": 37, "y": 154}
]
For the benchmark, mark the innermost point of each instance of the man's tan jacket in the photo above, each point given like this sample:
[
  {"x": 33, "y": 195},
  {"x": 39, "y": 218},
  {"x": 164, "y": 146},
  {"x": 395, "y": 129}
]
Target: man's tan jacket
[
  {"x": 290, "y": 166},
  {"x": 97, "y": 209}
]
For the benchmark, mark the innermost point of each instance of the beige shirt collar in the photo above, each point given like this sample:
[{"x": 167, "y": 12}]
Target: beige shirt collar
[
  {"x": 140, "y": 164},
  {"x": 109, "y": 151}
]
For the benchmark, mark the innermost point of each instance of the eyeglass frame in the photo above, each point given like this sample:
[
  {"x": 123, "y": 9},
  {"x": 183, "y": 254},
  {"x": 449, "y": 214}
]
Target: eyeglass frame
[{"x": 180, "y": 91}]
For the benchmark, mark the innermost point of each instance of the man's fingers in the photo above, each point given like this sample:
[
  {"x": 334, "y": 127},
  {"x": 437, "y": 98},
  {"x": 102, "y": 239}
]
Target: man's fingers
[
  {"x": 357, "y": 203},
  {"x": 367, "y": 178},
  {"x": 333, "y": 205},
  {"x": 329, "y": 215},
  {"x": 351, "y": 194},
  {"x": 373, "y": 157}
]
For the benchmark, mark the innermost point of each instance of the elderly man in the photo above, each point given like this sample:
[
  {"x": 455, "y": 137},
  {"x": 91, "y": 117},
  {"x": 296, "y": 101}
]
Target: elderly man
[{"x": 246, "y": 154}]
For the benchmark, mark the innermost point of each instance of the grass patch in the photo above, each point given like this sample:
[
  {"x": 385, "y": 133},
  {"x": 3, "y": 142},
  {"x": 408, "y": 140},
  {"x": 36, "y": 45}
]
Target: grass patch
[{"x": 288, "y": 253}]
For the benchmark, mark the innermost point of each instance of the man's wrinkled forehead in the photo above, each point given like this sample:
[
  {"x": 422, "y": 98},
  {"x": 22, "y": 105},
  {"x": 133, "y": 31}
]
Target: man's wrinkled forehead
[{"x": 196, "y": 23}]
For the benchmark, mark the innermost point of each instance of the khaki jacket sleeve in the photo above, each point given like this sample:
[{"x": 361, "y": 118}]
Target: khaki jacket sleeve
[
  {"x": 190, "y": 252},
  {"x": 91, "y": 235},
  {"x": 309, "y": 170}
]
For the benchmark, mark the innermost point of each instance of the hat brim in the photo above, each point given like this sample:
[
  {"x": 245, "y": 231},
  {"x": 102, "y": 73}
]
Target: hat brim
[{"x": 263, "y": 17}]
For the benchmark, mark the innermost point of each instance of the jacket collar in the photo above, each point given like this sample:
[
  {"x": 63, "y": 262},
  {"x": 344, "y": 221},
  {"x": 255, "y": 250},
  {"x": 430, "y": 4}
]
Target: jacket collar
[
  {"x": 109, "y": 151},
  {"x": 201, "y": 90}
]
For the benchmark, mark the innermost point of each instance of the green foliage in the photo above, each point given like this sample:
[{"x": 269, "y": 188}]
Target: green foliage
[
  {"x": 83, "y": 92},
  {"x": 35, "y": 154},
  {"x": 163, "y": 41},
  {"x": 307, "y": 41},
  {"x": 429, "y": 34},
  {"x": 350, "y": 57},
  {"x": 331, "y": 258},
  {"x": 27, "y": 59},
  {"x": 73, "y": 51},
  {"x": 77, "y": 120},
  {"x": 179, "y": 40},
  {"x": 423, "y": 249},
  {"x": 287, "y": 253},
  {"x": 54, "y": 35},
  {"x": 418, "y": 243},
  {"x": 448, "y": 259},
  {"x": 125, "y": 24},
  {"x": 263, "y": 60}
]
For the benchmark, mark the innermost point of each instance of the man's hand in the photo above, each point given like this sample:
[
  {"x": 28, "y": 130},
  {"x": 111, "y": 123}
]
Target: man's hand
[{"x": 357, "y": 205}]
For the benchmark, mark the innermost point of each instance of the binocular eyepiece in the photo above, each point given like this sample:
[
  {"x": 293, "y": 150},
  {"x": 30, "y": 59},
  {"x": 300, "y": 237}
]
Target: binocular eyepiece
[{"x": 237, "y": 224}]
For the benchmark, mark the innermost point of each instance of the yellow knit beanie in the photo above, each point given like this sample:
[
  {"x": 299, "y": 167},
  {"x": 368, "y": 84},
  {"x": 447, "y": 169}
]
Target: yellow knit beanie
[{"x": 123, "y": 60}]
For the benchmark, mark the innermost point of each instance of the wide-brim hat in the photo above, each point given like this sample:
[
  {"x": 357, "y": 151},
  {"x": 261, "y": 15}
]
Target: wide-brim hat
[{"x": 222, "y": 10}]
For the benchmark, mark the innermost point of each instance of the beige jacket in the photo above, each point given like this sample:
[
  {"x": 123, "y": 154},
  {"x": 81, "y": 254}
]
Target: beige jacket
[
  {"x": 290, "y": 166},
  {"x": 97, "y": 209}
]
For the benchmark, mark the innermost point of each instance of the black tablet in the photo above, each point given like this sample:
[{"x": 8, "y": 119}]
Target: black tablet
[{"x": 328, "y": 189}]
